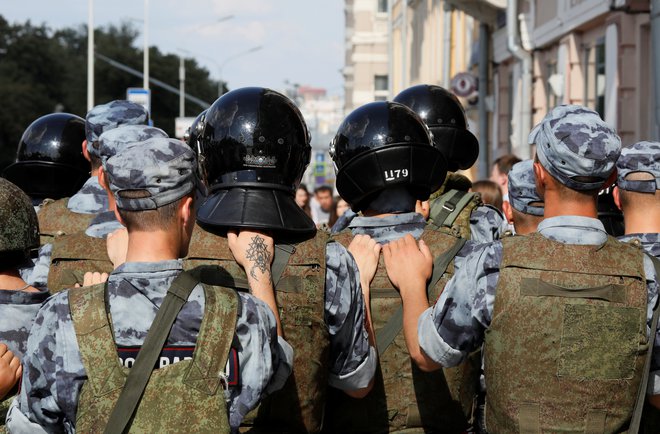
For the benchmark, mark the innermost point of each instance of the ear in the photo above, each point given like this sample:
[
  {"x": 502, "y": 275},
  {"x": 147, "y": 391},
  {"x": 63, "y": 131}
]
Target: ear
[
  {"x": 119, "y": 219},
  {"x": 187, "y": 210},
  {"x": 102, "y": 179},
  {"x": 85, "y": 152},
  {"x": 539, "y": 179},
  {"x": 616, "y": 195},
  {"x": 508, "y": 211}
]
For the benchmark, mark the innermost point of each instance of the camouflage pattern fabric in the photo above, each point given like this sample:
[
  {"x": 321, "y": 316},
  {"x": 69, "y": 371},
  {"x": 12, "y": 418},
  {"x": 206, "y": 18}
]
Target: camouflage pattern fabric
[
  {"x": 164, "y": 168},
  {"x": 105, "y": 117},
  {"x": 194, "y": 388},
  {"x": 583, "y": 364},
  {"x": 331, "y": 344},
  {"x": 55, "y": 220},
  {"x": 522, "y": 189},
  {"x": 90, "y": 199},
  {"x": 17, "y": 311},
  {"x": 35, "y": 271},
  {"x": 73, "y": 256},
  {"x": 118, "y": 139},
  {"x": 640, "y": 157},
  {"x": 19, "y": 230},
  {"x": 404, "y": 397},
  {"x": 103, "y": 224},
  {"x": 573, "y": 141},
  {"x": 53, "y": 371},
  {"x": 649, "y": 242}
]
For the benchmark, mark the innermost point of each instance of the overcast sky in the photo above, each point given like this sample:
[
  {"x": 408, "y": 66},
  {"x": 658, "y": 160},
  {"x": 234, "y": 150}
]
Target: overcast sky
[{"x": 302, "y": 39}]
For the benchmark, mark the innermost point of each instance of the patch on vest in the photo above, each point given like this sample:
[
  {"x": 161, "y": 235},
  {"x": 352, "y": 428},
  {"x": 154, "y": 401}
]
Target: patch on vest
[
  {"x": 175, "y": 354},
  {"x": 598, "y": 342}
]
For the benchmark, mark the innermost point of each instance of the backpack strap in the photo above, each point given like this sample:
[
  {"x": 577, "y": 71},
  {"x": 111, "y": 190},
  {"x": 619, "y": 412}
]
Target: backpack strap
[
  {"x": 641, "y": 394},
  {"x": 222, "y": 308},
  {"x": 447, "y": 207},
  {"x": 129, "y": 399},
  {"x": 95, "y": 339},
  {"x": 386, "y": 335}
]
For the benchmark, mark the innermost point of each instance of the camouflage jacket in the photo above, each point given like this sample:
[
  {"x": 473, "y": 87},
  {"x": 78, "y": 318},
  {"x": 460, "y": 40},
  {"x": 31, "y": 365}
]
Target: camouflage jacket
[
  {"x": 455, "y": 326},
  {"x": 53, "y": 368},
  {"x": 90, "y": 199},
  {"x": 649, "y": 242},
  {"x": 17, "y": 312}
]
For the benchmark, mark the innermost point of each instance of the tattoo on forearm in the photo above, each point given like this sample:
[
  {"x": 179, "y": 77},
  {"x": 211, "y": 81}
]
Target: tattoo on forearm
[{"x": 259, "y": 255}]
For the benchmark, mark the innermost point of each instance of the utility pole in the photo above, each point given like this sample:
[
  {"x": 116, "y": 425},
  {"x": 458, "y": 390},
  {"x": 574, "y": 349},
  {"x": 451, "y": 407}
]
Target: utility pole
[
  {"x": 145, "y": 82},
  {"x": 182, "y": 86},
  {"x": 90, "y": 55}
]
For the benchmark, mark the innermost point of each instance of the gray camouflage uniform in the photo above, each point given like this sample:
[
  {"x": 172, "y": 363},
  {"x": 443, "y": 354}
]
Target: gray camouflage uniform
[
  {"x": 53, "y": 370},
  {"x": 17, "y": 311},
  {"x": 583, "y": 145}
]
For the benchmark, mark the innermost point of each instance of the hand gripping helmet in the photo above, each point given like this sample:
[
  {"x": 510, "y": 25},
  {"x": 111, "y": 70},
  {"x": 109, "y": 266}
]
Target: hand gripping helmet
[
  {"x": 254, "y": 148},
  {"x": 383, "y": 145},
  {"x": 49, "y": 162},
  {"x": 444, "y": 115},
  {"x": 192, "y": 133},
  {"x": 19, "y": 227}
]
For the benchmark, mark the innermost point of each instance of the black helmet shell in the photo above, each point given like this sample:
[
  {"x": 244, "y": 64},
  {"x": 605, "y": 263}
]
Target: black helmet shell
[
  {"x": 192, "y": 133},
  {"x": 49, "y": 162},
  {"x": 19, "y": 227},
  {"x": 445, "y": 117},
  {"x": 254, "y": 140},
  {"x": 381, "y": 145}
]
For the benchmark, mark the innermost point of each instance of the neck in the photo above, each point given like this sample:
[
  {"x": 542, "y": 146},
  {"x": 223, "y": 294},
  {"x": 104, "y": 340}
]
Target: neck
[
  {"x": 152, "y": 246},
  {"x": 646, "y": 221},
  {"x": 556, "y": 206},
  {"x": 94, "y": 172},
  {"x": 11, "y": 280}
]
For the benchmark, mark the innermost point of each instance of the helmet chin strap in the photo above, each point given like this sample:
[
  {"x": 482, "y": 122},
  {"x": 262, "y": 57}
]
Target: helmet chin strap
[{"x": 392, "y": 201}]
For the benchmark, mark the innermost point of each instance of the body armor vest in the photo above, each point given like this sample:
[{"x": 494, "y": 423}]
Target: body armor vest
[
  {"x": 300, "y": 294},
  {"x": 565, "y": 348},
  {"x": 403, "y": 396},
  {"x": 72, "y": 256},
  {"x": 55, "y": 220},
  {"x": 183, "y": 397}
]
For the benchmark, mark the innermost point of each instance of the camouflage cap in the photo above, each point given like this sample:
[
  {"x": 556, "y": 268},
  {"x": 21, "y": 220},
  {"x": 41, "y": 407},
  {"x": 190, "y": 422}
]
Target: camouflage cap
[
  {"x": 522, "y": 189},
  {"x": 641, "y": 157},
  {"x": 163, "y": 168},
  {"x": 113, "y": 141},
  {"x": 576, "y": 146},
  {"x": 105, "y": 117}
]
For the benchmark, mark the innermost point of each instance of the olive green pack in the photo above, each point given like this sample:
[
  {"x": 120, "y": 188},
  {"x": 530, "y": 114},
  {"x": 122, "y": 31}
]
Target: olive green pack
[
  {"x": 567, "y": 343},
  {"x": 299, "y": 292},
  {"x": 187, "y": 396},
  {"x": 72, "y": 256},
  {"x": 55, "y": 220},
  {"x": 403, "y": 397}
]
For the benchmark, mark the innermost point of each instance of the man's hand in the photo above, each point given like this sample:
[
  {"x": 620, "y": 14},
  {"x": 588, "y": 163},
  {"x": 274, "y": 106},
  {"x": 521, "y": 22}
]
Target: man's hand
[
  {"x": 423, "y": 208},
  {"x": 117, "y": 245},
  {"x": 253, "y": 251},
  {"x": 408, "y": 265},
  {"x": 366, "y": 252},
  {"x": 93, "y": 278},
  {"x": 10, "y": 370}
]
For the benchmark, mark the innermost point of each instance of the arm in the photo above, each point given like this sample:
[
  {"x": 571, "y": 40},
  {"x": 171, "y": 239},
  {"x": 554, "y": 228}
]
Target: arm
[
  {"x": 653, "y": 390},
  {"x": 409, "y": 267},
  {"x": 10, "y": 370},
  {"x": 254, "y": 252},
  {"x": 365, "y": 252}
]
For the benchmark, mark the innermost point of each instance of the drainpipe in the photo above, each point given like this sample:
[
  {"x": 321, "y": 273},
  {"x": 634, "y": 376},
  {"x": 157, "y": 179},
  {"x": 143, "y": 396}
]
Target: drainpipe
[
  {"x": 483, "y": 91},
  {"x": 446, "y": 50},
  {"x": 404, "y": 45},
  {"x": 513, "y": 42},
  {"x": 390, "y": 51},
  {"x": 655, "y": 37}
]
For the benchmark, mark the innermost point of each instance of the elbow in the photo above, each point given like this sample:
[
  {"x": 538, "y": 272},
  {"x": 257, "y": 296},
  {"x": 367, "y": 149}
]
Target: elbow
[
  {"x": 424, "y": 362},
  {"x": 360, "y": 393}
]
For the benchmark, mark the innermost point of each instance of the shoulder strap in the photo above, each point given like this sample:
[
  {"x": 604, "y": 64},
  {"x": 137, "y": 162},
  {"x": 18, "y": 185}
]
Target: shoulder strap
[
  {"x": 446, "y": 208},
  {"x": 641, "y": 394},
  {"x": 386, "y": 335},
  {"x": 129, "y": 399}
]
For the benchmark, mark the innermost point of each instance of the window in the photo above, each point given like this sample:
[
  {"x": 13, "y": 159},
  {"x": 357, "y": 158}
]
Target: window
[
  {"x": 594, "y": 78},
  {"x": 511, "y": 95},
  {"x": 381, "y": 83},
  {"x": 382, "y": 6}
]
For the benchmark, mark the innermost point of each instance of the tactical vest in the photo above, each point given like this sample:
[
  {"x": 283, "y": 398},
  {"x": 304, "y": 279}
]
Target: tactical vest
[
  {"x": 72, "y": 256},
  {"x": 404, "y": 397},
  {"x": 183, "y": 397},
  {"x": 451, "y": 212},
  {"x": 55, "y": 220},
  {"x": 566, "y": 345},
  {"x": 300, "y": 294}
]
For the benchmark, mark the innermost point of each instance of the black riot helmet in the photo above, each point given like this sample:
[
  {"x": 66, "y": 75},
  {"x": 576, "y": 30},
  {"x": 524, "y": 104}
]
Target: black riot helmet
[
  {"x": 192, "y": 133},
  {"x": 383, "y": 145},
  {"x": 253, "y": 150},
  {"x": 445, "y": 117},
  {"x": 49, "y": 162}
]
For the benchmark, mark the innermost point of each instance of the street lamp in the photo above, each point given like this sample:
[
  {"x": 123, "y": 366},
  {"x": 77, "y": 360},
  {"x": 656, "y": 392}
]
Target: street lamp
[{"x": 233, "y": 57}]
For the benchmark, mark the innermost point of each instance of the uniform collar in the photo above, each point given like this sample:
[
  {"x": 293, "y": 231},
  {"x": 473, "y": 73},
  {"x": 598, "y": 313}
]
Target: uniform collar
[
  {"x": 391, "y": 220},
  {"x": 573, "y": 230},
  {"x": 129, "y": 268}
]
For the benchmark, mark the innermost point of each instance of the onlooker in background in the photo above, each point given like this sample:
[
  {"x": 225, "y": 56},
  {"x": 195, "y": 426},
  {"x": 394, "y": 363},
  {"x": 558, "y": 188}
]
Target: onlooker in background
[
  {"x": 321, "y": 204},
  {"x": 491, "y": 194},
  {"x": 302, "y": 199},
  {"x": 342, "y": 206},
  {"x": 333, "y": 213},
  {"x": 500, "y": 172}
]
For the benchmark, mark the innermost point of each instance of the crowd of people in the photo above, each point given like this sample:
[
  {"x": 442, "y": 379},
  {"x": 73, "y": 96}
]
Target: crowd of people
[{"x": 149, "y": 284}]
